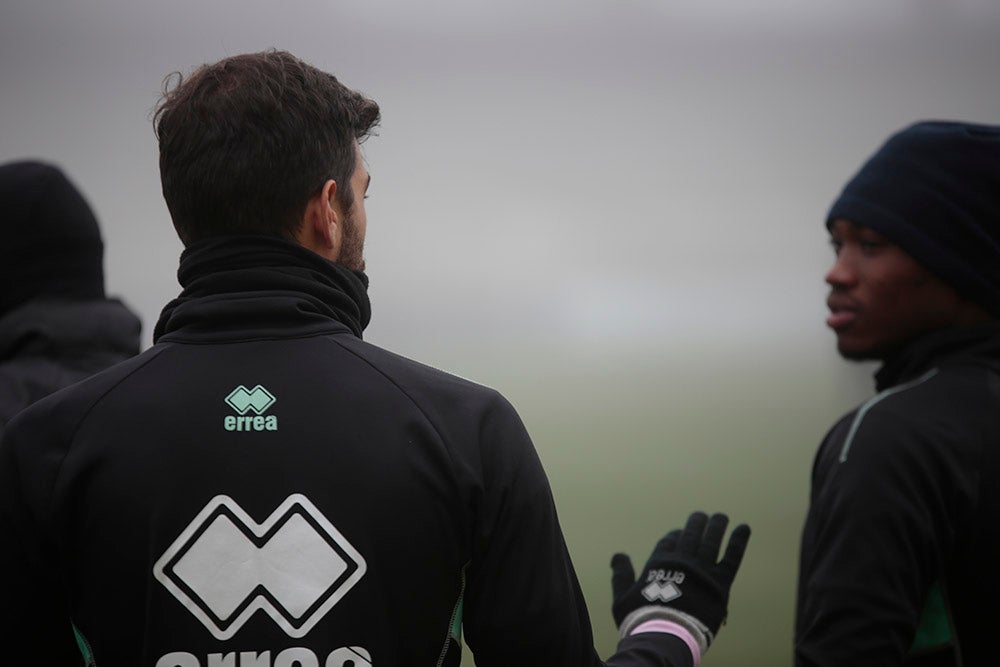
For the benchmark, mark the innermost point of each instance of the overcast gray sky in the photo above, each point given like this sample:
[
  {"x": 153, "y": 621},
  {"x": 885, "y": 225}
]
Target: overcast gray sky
[{"x": 585, "y": 170}]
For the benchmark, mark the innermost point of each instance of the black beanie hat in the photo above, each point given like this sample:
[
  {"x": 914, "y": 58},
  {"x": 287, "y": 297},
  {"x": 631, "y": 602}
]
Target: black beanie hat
[
  {"x": 933, "y": 189},
  {"x": 51, "y": 243}
]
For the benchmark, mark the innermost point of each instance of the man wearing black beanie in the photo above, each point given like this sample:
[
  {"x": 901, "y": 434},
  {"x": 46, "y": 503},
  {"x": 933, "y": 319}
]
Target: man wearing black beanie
[
  {"x": 56, "y": 326},
  {"x": 902, "y": 536}
]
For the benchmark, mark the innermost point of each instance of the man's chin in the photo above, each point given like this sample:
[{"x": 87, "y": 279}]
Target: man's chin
[
  {"x": 855, "y": 351},
  {"x": 854, "y": 355},
  {"x": 858, "y": 352}
]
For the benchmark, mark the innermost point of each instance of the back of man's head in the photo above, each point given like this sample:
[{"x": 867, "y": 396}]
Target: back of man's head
[
  {"x": 933, "y": 189},
  {"x": 245, "y": 142},
  {"x": 52, "y": 245}
]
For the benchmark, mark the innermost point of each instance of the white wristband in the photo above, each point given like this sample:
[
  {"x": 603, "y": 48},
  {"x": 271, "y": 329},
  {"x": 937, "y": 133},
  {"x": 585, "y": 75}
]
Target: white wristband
[
  {"x": 671, "y": 628},
  {"x": 698, "y": 630}
]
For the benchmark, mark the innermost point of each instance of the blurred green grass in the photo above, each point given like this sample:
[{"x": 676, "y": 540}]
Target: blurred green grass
[{"x": 631, "y": 448}]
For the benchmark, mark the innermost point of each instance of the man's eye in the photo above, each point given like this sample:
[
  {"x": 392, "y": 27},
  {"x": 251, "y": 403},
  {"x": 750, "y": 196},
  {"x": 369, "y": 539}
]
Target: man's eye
[{"x": 836, "y": 245}]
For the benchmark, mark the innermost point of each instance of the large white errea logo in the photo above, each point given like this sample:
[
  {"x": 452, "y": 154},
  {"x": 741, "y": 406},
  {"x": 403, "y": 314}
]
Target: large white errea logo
[{"x": 294, "y": 567}]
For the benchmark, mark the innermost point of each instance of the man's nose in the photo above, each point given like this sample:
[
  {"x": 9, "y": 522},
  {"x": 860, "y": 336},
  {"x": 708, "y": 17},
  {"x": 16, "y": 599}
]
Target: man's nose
[{"x": 841, "y": 273}]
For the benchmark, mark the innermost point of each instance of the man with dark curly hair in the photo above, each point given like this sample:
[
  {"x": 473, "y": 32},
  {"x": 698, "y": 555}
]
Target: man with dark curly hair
[{"x": 263, "y": 488}]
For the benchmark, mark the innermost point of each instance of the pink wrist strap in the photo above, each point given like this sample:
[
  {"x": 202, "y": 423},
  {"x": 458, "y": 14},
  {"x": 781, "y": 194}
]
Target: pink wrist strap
[{"x": 671, "y": 628}]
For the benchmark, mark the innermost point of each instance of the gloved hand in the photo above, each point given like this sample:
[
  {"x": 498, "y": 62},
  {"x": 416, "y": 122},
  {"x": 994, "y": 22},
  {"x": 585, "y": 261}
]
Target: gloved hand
[{"x": 681, "y": 575}]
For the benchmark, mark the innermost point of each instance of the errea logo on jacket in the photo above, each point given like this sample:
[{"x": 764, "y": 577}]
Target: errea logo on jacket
[
  {"x": 256, "y": 400},
  {"x": 294, "y": 566}
]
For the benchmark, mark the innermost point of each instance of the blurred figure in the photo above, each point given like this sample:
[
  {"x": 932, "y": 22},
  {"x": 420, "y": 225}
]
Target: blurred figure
[
  {"x": 262, "y": 483},
  {"x": 56, "y": 326},
  {"x": 903, "y": 531}
]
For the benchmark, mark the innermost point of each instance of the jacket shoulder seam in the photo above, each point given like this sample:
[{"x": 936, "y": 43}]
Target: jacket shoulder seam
[
  {"x": 875, "y": 400},
  {"x": 154, "y": 353}
]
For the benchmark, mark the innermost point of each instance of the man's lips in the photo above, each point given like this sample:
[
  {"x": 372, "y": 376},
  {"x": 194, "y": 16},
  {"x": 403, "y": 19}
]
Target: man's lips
[{"x": 842, "y": 314}]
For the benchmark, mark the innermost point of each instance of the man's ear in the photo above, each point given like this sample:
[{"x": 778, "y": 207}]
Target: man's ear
[{"x": 321, "y": 224}]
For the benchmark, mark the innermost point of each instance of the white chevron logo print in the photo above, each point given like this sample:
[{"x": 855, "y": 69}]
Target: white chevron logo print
[
  {"x": 257, "y": 399},
  {"x": 295, "y": 566},
  {"x": 660, "y": 592}
]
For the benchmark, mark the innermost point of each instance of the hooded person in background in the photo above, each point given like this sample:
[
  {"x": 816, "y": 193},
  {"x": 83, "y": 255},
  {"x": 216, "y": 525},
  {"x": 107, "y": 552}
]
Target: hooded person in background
[
  {"x": 56, "y": 325},
  {"x": 903, "y": 533}
]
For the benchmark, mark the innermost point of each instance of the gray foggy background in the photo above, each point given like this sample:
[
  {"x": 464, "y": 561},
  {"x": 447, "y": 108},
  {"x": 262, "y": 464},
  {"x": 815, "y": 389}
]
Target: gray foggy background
[{"x": 610, "y": 210}]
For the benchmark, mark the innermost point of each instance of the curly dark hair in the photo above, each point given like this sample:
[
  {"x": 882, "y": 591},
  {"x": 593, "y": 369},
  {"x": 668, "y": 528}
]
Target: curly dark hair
[{"x": 245, "y": 142}]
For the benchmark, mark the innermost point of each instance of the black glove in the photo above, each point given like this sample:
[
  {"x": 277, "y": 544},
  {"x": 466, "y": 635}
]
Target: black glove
[{"x": 682, "y": 574}]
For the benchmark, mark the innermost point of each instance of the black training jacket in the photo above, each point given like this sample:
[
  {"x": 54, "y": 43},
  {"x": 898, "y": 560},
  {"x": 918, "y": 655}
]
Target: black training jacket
[
  {"x": 902, "y": 539},
  {"x": 263, "y": 488}
]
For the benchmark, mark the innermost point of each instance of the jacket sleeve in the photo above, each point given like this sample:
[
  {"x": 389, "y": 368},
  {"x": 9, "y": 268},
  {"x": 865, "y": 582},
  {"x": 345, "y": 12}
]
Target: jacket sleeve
[
  {"x": 524, "y": 605},
  {"x": 889, "y": 489},
  {"x": 35, "y": 621}
]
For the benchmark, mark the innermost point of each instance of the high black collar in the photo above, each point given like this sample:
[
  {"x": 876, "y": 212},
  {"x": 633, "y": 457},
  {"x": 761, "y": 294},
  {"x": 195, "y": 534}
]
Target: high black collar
[
  {"x": 261, "y": 287},
  {"x": 980, "y": 342}
]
